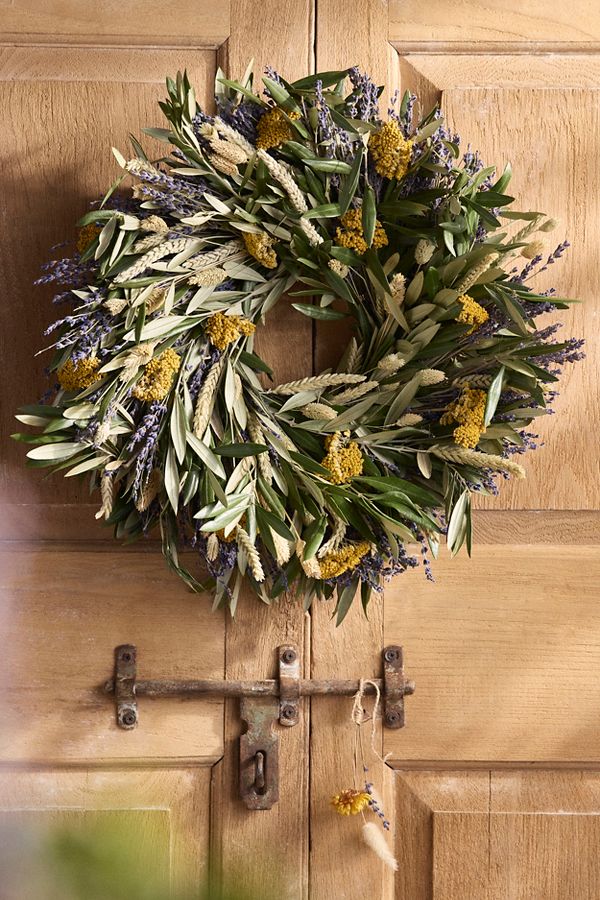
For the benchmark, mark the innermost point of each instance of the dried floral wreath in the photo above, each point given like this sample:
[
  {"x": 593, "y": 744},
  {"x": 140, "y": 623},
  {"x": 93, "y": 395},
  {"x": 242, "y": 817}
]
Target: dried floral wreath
[{"x": 321, "y": 483}]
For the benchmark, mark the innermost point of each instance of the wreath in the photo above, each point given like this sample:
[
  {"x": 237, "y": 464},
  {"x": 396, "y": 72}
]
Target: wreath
[{"x": 306, "y": 194}]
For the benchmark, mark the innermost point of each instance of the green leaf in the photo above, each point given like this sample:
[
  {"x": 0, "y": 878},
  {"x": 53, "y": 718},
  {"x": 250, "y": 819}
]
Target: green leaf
[
  {"x": 172, "y": 479},
  {"x": 369, "y": 214},
  {"x": 318, "y": 312},
  {"x": 313, "y": 536},
  {"x": 178, "y": 428},
  {"x": 276, "y": 524},
  {"x": 329, "y": 165},
  {"x": 350, "y": 183},
  {"x": 240, "y": 450},
  {"x": 493, "y": 396},
  {"x": 206, "y": 455},
  {"x": 345, "y": 598},
  {"x": 60, "y": 450},
  {"x": 326, "y": 79},
  {"x": 457, "y": 526}
]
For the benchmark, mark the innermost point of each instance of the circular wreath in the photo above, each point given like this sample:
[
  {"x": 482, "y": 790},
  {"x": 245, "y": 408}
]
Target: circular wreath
[{"x": 321, "y": 483}]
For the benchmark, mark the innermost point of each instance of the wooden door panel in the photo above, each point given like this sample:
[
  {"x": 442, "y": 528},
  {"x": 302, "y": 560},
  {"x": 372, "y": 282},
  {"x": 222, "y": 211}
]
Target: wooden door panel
[
  {"x": 506, "y": 22},
  {"x": 110, "y": 827},
  {"x": 490, "y": 835},
  {"x": 544, "y": 117},
  {"x": 504, "y": 648},
  {"x": 129, "y": 22},
  {"x": 63, "y": 611},
  {"x": 62, "y": 109}
]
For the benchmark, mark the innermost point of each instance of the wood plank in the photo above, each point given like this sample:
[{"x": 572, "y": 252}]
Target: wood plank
[
  {"x": 274, "y": 842},
  {"x": 563, "y": 473},
  {"x": 356, "y": 35},
  {"x": 54, "y": 170},
  {"x": 126, "y": 827},
  {"x": 504, "y": 649},
  {"x": 130, "y": 22},
  {"x": 63, "y": 613},
  {"x": 508, "y": 21}
]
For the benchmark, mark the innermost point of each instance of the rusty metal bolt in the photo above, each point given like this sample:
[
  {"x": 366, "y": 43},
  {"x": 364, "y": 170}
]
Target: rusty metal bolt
[
  {"x": 126, "y": 657},
  {"x": 288, "y": 711},
  {"x": 392, "y": 717},
  {"x": 288, "y": 656},
  {"x": 128, "y": 718},
  {"x": 409, "y": 687},
  {"x": 392, "y": 654}
]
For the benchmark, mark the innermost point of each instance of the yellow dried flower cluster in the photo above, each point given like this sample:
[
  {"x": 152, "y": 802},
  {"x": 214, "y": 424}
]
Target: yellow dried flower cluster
[
  {"x": 158, "y": 376},
  {"x": 390, "y": 151},
  {"x": 79, "y": 374},
  {"x": 472, "y": 313},
  {"x": 344, "y": 462},
  {"x": 350, "y": 802},
  {"x": 260, "y": 246},
  {"x": 274, "y": 129},
  {"x": 87, "y": 234},
  {"x": 469, "y": 412},
  {"x": 223, "y": 330},
  {"x": 339, "y": 561},
  {"x": 352, "y": 235}
]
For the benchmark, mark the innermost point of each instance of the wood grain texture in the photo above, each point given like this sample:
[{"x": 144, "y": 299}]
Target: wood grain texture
[
  {"x": 560, "y": 177},
  {"x": 504, "y": 649},
  {"x": 493, "y": 835},
  {"x": 341, "y": 866},
  {"x": 275, "y": 841},
  {"x": 506, "y": 21},
  {"x": 204, "y": 24},
  {"x": 56, "y": 156},
  {"x": 62, "y": 613},
  {"x": 145, "y": 820}
]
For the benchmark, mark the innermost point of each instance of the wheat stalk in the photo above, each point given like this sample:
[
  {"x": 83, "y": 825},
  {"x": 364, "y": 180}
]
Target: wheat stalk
[
  {"x": 206, "y": 399},
  {"x": 355, "y": 392},
  {"x": 294, "y": 193},
  {"x": 338, "y": 532},
  {"x": 317, "y": 383},
  {"x": 244, "y": 542},
  {"x": 318, "y": 411},
  {"x": 466, "y": 457},
  {"x": 473, "y": 381},
  {"x": 167, "y": 248},
  {"x": 149, "y": 491},
  {"x": 234, "y": 136},
  {"x": 471, "y": 277},
  {"x": 107, "y": 495},
  {"x": 213, "y": 257},
  {"x": 258, "y": 436}
]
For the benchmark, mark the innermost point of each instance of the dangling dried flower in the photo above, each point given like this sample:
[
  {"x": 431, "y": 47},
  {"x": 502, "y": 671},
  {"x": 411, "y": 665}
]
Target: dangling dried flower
[
  {"x": 350, "y": 802},
  {"x": 375, "y": 839}
]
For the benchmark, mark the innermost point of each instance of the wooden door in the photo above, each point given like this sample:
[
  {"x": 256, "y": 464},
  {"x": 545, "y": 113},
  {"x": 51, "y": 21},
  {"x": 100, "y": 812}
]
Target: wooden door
[
  {"x": 493, "y": 787},
  {"x": 74, "y": 79}
]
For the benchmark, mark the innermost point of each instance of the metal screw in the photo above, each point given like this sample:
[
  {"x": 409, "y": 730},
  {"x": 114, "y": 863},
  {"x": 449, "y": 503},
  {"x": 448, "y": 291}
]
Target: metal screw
[
  {"x": 409, "y": 687},
  {"x": 288, "y": 656},
  {"x": 288, "y": 711},
  {"x": 126, "y": 657},
  {"x": 392, "y": 717},
  {"x": 392, "y": 654},
  {"x": 128, "y": 718}
]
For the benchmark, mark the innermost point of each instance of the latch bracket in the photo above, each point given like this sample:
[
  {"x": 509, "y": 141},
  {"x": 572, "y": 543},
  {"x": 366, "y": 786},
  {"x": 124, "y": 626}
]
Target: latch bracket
[{"x": 263, "y": 704}]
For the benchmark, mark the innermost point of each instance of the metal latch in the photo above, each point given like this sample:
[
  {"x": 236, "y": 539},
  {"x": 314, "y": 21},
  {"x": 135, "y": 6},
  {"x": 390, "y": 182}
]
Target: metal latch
[{"x": 262, "y": 705}]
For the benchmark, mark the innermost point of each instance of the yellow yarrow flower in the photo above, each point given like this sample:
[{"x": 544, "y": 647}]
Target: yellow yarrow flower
[
  {"x": 87, "y": 234},
  {"x": 352, "y": 235},
  {"x": 469, "y": 412},
  {"x": 223, "y": 330},
  {"x": 157, "y": 378},
  {"x": 274, "y": 129},
  {"x": 350, "y": 802},
  {"x": 343, "y": 462},
  {"x": 472, "y": 313},
  {"x": 390, "y": 151},
  {"x": 76, "y": 375},
  {"x": 260, "y": 246},
  {"x": 343, "y": 560}
]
